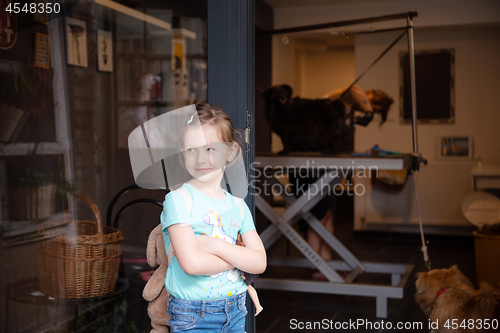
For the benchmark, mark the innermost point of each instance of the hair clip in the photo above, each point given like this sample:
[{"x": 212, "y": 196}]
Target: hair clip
[{"x": 190, "y": 120}]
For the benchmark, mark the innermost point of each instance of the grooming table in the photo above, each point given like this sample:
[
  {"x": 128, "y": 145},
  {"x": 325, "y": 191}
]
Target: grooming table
[{"x": 300, "y": 207}]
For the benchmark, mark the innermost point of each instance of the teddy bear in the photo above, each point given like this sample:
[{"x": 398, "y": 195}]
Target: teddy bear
[{"x": 154, "y": 292}]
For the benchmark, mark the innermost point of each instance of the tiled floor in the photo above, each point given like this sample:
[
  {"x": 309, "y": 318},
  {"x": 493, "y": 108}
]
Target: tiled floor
[{"x": 281, "y": 308}]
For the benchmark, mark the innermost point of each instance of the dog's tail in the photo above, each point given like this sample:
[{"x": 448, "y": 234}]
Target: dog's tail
[
  {"x": 488, "y": 298},
  {"x": 487, "y": 289}
]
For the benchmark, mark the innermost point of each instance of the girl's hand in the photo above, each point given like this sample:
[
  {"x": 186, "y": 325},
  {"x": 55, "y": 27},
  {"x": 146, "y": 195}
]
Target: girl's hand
[
  {"x": 191, "y": 259},
  {"x": 251, "y": 258},
  {"x": 206, "y": 243}
]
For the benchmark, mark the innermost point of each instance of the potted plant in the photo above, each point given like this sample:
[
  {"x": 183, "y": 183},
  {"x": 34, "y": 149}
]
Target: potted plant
[
  {"x": 33, "y": 191},
  {"x": 31, "y": 195}
]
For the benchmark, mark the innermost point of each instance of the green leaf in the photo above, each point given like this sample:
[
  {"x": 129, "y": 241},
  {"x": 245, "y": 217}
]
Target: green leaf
[
  {"x": 26, "y": 83},
  {"x": 16, "y": 84}
]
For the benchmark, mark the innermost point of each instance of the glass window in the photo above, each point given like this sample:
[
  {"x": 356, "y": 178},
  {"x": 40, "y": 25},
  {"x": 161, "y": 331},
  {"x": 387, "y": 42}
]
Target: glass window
[{"x": 72, "y": 88}]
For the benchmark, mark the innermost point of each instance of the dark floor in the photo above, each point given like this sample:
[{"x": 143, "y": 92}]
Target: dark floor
[{"x": 282, "y": 307}]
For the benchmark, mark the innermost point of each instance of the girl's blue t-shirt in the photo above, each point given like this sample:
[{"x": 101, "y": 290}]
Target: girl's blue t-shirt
[{"x": 211, "y": 217}]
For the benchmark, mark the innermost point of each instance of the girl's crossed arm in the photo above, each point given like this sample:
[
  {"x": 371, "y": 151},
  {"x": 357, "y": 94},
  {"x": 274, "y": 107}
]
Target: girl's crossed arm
[
  {"x": 190, "y": 258},
  {"x": 251, "y": 258}
]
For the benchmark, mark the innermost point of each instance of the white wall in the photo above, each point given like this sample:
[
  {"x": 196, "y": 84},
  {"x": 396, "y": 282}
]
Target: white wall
[
  {"x": 312, "y": 67},
  {"x": 283, "y": 61},
  {"x": 477, "y": 70},
  {"x": 325, "y": 70},
  {"x": 441, "y": 184}
]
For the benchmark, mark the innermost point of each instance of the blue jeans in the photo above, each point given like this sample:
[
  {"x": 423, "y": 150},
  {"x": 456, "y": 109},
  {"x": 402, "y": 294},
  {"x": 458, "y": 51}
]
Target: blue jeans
[{"x": 221, "y": 315}]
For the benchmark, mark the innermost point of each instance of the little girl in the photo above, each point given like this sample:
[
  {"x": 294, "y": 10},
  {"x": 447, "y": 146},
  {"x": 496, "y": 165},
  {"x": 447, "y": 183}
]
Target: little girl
[{"x": 207, "y": 293}]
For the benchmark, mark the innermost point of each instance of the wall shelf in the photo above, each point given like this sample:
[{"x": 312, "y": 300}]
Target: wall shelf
[{"x": 28, "y": 148}]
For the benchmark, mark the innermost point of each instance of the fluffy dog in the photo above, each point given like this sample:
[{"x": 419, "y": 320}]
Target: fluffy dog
[
  {"x": 449, "y": 298},
  {"x": 314, "y": 125}
]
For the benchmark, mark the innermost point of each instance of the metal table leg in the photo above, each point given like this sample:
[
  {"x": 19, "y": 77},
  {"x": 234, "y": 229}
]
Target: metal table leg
[{"x": 282, "y": 225}]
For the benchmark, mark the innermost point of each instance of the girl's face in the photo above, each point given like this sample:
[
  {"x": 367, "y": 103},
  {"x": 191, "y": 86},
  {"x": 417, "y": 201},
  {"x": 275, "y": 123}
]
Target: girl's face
[{"x": 205, "y": 154}]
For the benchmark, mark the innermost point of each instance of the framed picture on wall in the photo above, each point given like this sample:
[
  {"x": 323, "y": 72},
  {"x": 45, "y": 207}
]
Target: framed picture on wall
[
  {"x": 105, "y": 50},
  {"x": 435, "y": 86},
  {"x": 76, "y": 42},
  {"x": 42, "y": 51},
  {"x": 456, "y": 147}
]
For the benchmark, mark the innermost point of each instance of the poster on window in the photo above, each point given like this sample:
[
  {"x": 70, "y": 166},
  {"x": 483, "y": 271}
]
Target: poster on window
[
  {"x": 42, "y": 51},
  {"x": 8, "y": 27},
  {"x": 104, "y": 51},
  {"x": 180, "y": 75},
  {"x": 76, "y": 42},
  {"x": 179, "y": 56}
]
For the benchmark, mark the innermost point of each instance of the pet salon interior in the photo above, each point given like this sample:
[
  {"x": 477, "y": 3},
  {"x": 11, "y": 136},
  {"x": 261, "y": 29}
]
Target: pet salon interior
[{"x": 388, "y": 190}]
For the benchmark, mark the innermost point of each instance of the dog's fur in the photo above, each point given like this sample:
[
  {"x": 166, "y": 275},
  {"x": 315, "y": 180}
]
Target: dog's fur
[
  {"x": 305, "y": 124},
  {"x": 459, "y": 300}
]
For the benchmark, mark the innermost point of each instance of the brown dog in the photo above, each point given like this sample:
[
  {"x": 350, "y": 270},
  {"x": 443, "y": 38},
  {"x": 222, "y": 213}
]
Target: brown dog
[{"x": 453, "y": 305}]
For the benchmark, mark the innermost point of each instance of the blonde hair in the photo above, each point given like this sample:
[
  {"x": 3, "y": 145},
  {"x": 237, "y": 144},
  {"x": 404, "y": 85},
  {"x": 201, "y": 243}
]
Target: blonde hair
[{"x": 212, "y": 115}]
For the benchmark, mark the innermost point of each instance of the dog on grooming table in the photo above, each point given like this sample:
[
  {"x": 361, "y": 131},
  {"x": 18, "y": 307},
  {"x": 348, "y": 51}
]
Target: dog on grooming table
[{"x": 322, "y": 125}]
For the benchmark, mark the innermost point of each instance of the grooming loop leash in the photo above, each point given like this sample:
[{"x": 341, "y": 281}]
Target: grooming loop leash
[
  {"x": 424, "y": 243},
  {"x": 374, "y": 62}
]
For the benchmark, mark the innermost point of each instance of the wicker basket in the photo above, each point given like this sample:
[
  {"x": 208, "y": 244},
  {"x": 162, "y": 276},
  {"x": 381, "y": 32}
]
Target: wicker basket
[{"x": 80, "y": 259}]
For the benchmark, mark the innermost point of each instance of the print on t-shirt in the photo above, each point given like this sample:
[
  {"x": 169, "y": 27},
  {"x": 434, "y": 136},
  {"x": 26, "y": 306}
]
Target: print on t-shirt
[{"x": 218, "y": 231}]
